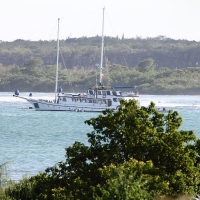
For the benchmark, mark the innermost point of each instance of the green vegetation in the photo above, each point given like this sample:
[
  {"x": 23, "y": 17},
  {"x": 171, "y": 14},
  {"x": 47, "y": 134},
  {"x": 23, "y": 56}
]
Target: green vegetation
[
  {"x": 134, "y": 153},
  {"x": 3, "y": 196},
  {"x": 155, "y": 65},
  {"x": 4, "y": 181},
  {"x": 33, "y": 78}
]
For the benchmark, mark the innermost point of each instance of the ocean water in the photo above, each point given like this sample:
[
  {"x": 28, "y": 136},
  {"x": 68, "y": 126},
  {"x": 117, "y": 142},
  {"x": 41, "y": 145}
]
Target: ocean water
[{"x": 31, "y": 141}]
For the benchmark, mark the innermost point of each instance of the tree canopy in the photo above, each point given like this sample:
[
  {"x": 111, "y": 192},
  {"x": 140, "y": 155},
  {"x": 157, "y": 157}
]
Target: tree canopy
[
  {"x": 155, "y": 65},
  {"x": 33, "y": 77},
  {"x": 133, "y": 153}
]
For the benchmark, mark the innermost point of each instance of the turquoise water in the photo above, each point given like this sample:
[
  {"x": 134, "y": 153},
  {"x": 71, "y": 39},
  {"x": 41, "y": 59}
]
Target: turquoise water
[{"x": 32, "y": 140}]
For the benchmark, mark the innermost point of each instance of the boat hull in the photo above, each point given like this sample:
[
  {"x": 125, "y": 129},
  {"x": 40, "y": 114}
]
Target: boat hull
[{"x": 49, "y": 106}]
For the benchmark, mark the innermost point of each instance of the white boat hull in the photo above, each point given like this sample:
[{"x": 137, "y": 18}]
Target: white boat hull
[{"x": 79, "y": 107}]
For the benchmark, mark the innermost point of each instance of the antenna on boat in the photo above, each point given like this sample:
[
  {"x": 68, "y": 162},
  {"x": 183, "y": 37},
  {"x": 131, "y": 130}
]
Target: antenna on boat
[
  {"x": 102, "y": 46},
  {"x": 56, "y": 87}
]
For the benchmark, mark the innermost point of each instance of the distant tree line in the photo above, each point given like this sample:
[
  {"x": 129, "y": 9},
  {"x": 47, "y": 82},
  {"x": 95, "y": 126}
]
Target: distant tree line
[
  {"x": 155, "y": 65},
  {"x": 85, "y": 52}
]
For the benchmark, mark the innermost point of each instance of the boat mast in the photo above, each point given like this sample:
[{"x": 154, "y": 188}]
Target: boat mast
[
  {"x": 102, "y": 46},
  {"x": 56, "y": 87}
]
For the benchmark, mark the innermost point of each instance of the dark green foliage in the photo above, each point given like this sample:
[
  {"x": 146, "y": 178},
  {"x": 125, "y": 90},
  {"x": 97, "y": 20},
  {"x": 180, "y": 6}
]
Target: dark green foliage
[
  {"x": 78, "y": 52},
  {"x": 134, "y": 153},
  {"x": 146, "y": 65},
  {"x": 3, "y": 196},
  {"x": 155, "y": 65},
  {"x": 42, "y": 79},
  {"x": 127, "y": 181}
]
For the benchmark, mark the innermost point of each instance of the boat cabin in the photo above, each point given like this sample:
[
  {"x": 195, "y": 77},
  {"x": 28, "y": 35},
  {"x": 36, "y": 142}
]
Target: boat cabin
[{"x": 98, "y": 93}]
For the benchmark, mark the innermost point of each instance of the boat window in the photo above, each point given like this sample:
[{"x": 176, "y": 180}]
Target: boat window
[
  {"x": 64, "y": 99},
  {"x": 99, "y": 92},
  {"x": 90, "y": 91},
  {"x": 90, "y": 100},
  {"x": 36, "y": 105},
  {"x": 119, "y": 99},
  {"x": 114, "y": 93},
  {"x": 108, "y": 92},
  {"x": 115, "y": 99},
  {"x": 104, "y": 92}
]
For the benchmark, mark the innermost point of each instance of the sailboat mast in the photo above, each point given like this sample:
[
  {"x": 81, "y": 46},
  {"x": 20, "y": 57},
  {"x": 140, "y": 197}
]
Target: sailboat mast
[
  {"x": 56, "y": 87},
  {"x": 102, "y": 47}
]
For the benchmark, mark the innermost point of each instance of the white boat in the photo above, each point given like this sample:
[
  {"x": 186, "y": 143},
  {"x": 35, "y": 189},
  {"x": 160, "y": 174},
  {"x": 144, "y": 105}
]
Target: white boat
[{"x": 95, "y": 99}]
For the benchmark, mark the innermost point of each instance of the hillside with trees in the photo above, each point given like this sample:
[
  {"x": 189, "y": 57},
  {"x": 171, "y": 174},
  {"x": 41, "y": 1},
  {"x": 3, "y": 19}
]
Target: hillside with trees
[{"x": 155, "y": 65}]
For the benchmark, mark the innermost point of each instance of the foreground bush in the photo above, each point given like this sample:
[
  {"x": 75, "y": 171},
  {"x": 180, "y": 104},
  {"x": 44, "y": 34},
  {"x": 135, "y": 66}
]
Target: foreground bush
[
  {"x": 134, "y": 153},
  {"x": 3, "y": 196}
]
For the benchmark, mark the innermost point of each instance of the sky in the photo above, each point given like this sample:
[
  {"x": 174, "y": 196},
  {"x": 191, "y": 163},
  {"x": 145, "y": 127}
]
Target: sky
[{"x": 37, "y": 19}]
